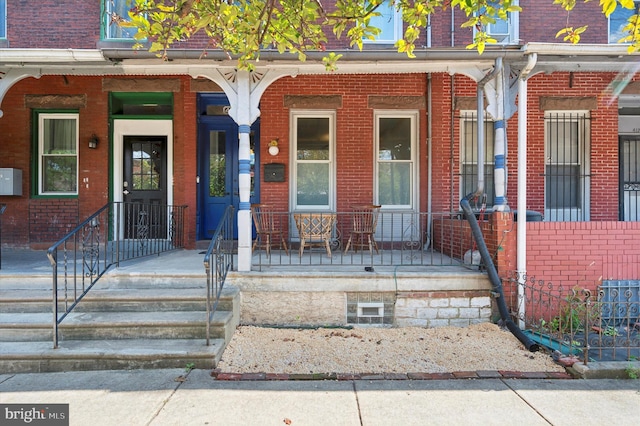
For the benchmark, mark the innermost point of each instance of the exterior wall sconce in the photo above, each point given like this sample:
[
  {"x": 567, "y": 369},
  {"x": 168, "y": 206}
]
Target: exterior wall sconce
[
  {"x": 273, "y": 147},
  {"x": 93, "y": 141}
]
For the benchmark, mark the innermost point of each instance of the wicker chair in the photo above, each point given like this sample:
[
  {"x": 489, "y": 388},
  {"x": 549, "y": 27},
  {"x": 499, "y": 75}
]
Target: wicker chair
[{"x": 315, "y": 229}]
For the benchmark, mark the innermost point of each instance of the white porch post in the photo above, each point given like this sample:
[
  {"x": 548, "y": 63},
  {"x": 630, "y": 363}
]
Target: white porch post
[
  {"x": 243, "y": 118},
  {"x": 244, "y": 90},
  {"x": 499, "y": 148}
]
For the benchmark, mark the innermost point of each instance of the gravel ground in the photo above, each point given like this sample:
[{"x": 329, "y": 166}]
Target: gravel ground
[{"x": 380, "y": 350}]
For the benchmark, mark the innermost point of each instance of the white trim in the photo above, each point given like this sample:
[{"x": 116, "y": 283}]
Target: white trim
[
  {"x": 57, "y": 116},
  {"x": 124, "y": 127},
  {"x": 413, "y": 115},
  {"x": 293, "y": 117}
]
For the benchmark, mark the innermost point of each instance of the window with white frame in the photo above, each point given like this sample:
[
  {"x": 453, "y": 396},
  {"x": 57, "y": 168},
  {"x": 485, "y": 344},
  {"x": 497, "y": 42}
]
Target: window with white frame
[
  {"x": 115, "y": 9},
  {"x": 57, "y": 154},
  {"x": 504, "y": 31},
  {"x": 619, "y": 19},
  {"x": 567, "y": 169},
  {"x": 3, "y": 18},
  {"x": 469, "y": 157},
  {"x": 389, "y": 22},
  {"x": 313, "y": 164},
  {"x": 395, "y": 139}
]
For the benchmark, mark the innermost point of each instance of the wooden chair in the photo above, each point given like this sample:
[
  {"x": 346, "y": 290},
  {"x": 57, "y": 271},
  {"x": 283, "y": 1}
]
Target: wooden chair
[
  {"x": 315, "y": 229},
  {"x": 268, "y": 228},
  {"x": 363, "y": 228}
]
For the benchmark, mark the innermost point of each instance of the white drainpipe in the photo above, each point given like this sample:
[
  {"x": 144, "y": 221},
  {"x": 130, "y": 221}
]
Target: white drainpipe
[{"x": 521, "y": 259}]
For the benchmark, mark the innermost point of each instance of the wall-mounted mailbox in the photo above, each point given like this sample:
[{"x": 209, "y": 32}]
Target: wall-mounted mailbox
[
  {"x": 274, "y": 172},
  {"x": 10, "y": 182}
]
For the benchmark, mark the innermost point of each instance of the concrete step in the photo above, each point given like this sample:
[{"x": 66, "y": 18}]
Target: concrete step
[
  {"x": 39, "y": 356},
  {"x": 22, "y": 327},
  {"x": 119, "y": 299}
]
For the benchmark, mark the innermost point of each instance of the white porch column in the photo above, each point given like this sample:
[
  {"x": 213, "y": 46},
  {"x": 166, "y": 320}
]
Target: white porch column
[
  {"x": 243, "y": 118},
  {"x": 244, "y": 90},
  {"x": 499, "y": 148}
]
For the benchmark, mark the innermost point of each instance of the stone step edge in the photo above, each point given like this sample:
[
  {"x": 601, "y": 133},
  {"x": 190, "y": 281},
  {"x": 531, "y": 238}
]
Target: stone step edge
[
  {"x": 141, "y": 349},
  {"x": 219, "y": 318}
]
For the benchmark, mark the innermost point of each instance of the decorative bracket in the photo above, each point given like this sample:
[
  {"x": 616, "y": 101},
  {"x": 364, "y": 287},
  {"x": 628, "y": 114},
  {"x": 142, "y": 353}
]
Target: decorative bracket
[{"x": 11, "y": 77}]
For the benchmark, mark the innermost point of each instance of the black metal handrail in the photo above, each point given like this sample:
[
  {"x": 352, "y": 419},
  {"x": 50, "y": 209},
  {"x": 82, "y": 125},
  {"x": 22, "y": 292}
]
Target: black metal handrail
[
  {"x": 218, "y": 261},
  {"x": 117, "y": 232}
]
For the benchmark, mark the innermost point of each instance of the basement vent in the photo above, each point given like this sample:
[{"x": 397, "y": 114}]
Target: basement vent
[{"x": 371, "y": 310}]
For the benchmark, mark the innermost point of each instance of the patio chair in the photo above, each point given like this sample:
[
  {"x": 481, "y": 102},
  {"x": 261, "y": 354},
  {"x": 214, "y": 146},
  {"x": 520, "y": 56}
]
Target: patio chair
[
  {"x": 315, "y": 229},
  {"x": 268, "y": 228},
  {"x": 363, "y": 228}
]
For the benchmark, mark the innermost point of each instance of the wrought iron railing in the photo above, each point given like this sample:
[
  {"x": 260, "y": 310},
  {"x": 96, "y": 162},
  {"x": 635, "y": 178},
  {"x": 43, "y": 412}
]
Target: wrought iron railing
[
  {"x": 593, "y": 325},
  {"x": 398, "y": 238},
  {"x": 115, "y": 233},
  {"x": 218, "y": 261}
]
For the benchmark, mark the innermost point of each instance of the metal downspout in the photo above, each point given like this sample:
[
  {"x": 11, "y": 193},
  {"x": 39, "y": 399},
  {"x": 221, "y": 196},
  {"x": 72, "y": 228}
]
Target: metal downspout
[
  {"x": 496, "y": 282},
  {"x": 521, "y": 225},
  {"x": 480, "y": 127}
]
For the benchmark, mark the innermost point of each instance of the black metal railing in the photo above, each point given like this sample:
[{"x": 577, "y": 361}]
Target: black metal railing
[
  {"x": 218, "y": 261},
  {"x": 115, "y": 233},
  {"x": 398, "y": 238},
  {"x": 592, "y": 325}
]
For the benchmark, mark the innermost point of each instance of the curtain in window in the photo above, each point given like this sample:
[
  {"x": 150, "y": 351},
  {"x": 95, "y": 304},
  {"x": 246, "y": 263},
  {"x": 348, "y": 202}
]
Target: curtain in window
[{"x": 59, "y": 160}]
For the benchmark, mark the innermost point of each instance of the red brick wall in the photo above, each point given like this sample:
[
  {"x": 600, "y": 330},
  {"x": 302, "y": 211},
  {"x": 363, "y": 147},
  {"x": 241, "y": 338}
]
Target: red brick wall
[
  {"x": 583, "y": 253},
  {"x": 354, "y": 133},
  {"x": 52, "y": 24},
  {"x": 76, "y": 24},
  {"x": 38, "y": 222},
  {"x": 604, "y": 142}
]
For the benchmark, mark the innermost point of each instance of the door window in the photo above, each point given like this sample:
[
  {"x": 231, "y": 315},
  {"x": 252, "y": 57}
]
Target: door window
[
  {"x": 395, "y": 135},
  {"x": 313, "y": 162}
]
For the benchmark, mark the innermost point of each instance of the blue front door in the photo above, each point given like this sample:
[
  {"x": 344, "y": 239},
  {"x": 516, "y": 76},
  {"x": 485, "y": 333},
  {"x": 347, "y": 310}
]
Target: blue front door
[{"x": 218, "y": 163}]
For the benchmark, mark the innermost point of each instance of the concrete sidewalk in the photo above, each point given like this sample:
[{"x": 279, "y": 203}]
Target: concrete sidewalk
[{"x": 172, "y": 397}]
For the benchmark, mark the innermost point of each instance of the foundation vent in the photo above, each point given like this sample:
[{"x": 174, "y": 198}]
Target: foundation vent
[{"x": 370, "y": 308}]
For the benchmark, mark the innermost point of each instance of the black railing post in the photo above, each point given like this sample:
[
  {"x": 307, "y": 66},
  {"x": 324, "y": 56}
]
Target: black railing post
[{"x": 53, "y": 258}]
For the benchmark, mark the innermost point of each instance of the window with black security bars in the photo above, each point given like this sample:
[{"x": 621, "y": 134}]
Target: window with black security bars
[
  {"x": 567, "y": 166},
  {"x": 469, "y": 158}
]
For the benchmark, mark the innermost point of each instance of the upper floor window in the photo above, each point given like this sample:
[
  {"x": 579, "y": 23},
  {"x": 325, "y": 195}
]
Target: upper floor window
[
  {"x": 114, "y": 9},
  {"x": 469, "y": 157},
  {"x": 3, "y": 18},
  {"x": 57, "y": 154},
  {"x": 389, "y": 23},
  {"x": 504, "y": 31},
  {"x": 619, "y": 19}
]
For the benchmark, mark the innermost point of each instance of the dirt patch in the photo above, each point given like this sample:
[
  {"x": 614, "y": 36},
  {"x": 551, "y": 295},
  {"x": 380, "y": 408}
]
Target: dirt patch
[{"x": 380, "y": 350}]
